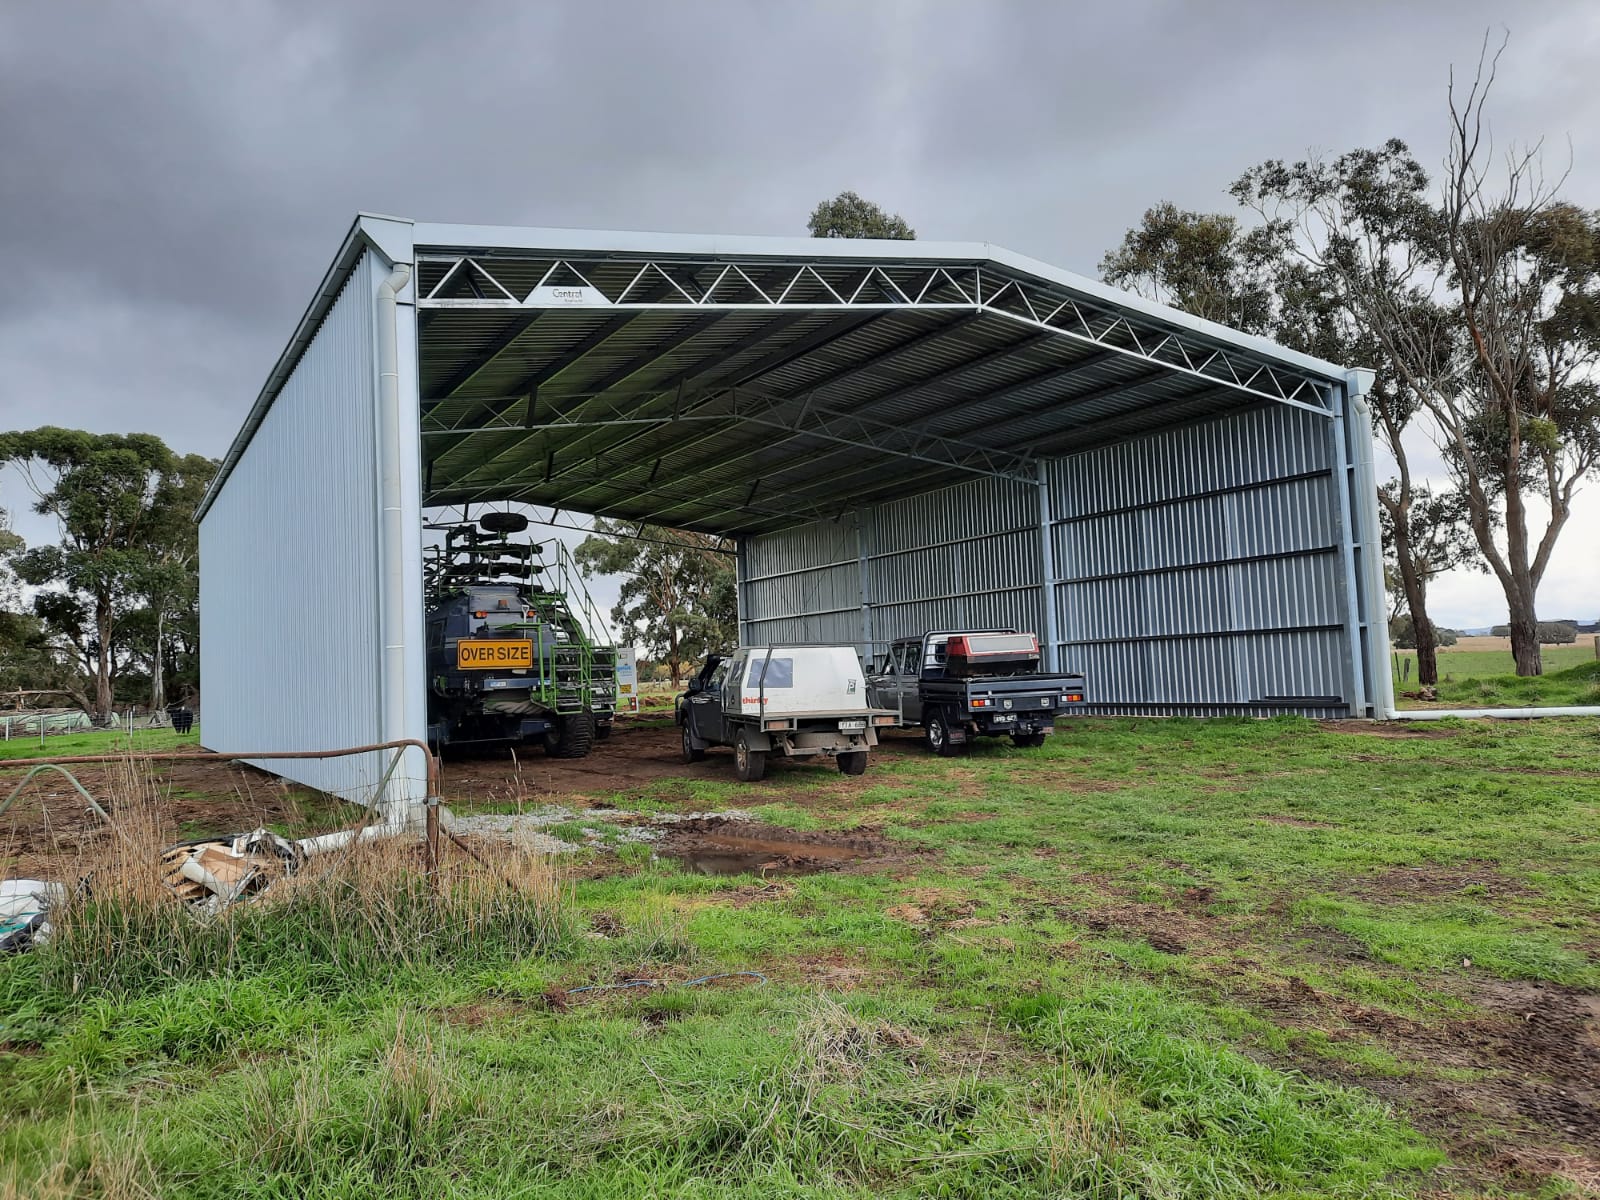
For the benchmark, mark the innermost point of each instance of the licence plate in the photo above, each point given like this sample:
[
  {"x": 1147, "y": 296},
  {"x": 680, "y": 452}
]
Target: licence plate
[
  {"x": 861, "y": 724},
  {"x": 1004, "y": 718},
  {"x": 485, "y": 654}
]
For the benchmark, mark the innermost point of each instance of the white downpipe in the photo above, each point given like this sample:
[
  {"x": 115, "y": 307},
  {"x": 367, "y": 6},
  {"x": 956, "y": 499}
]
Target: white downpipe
[
  {"x": 1504, "y": 714},
  {"x": 401, "y": 822},
  {"x": 1380, "y": 684},
  {"x": 391, "y": 530}
]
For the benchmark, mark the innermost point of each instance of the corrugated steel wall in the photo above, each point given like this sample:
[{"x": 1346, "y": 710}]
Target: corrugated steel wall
[
  {"x": 1196, "y": 570},
  {"x": 289, "y": 574},
  {"x": 965, "y": 556}
]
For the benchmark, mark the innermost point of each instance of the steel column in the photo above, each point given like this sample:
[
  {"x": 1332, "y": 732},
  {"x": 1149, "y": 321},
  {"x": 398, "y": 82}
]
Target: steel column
[
  {"x": 1342, "y": 471},
  {"x": 1047, "y": 567}
]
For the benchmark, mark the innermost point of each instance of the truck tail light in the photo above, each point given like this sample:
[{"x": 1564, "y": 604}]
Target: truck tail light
[
  {"x": 980, "y": 704},
  {"x": 883, "y": 720},
  {"x": 1075, "y": 697}
]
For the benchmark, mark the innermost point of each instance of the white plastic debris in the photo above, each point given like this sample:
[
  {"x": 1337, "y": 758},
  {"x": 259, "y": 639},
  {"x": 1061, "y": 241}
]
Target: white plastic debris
[{"x": 25, "y": 912}]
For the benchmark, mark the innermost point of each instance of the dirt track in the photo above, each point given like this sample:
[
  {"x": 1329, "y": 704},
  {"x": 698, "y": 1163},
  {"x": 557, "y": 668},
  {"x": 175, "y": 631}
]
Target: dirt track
[{"x": 633, "y": 757}]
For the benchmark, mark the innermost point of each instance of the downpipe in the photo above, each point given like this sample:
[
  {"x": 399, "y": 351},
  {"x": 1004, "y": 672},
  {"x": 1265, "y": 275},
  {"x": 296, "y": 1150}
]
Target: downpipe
[
  {"x": 1474, "y": 714},
  {"x": 391, "y": 532}
]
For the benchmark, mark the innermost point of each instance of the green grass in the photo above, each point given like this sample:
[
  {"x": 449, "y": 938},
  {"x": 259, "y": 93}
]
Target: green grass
[
  {"x": 1577, "y": 685},
  {"x": 1480, "y": 677},
  {"x": 1066, "y": 980},
  {"x": 99, "y": 741}
]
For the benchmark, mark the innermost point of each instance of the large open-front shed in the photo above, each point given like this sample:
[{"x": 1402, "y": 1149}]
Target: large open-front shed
[{"x": 898, "y": 436}]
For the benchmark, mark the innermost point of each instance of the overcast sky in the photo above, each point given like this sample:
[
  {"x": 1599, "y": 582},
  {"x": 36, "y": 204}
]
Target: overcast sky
[{"x": 174, "y": 178}]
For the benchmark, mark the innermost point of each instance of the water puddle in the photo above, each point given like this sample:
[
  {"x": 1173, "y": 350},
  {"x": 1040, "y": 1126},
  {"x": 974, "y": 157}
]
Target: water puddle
[{"x": 732, "y": 854}]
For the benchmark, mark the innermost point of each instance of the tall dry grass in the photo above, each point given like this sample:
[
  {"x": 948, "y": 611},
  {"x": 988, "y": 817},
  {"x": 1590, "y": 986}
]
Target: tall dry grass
[{"x": 343, "y": 918}]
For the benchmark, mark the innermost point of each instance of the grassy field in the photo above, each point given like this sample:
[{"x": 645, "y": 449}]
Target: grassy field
[
  {"x": 99, "y": 741},
  {"x": 1486, "y": 678},
  {"x": 1157, "y": 958}
]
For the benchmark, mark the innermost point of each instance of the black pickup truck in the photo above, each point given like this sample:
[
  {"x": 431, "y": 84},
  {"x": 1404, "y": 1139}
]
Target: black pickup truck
[{"x": 960, "y": 684}]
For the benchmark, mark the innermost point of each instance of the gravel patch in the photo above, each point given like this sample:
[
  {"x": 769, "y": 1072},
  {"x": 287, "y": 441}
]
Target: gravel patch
[{"x": 606, "y": 828}]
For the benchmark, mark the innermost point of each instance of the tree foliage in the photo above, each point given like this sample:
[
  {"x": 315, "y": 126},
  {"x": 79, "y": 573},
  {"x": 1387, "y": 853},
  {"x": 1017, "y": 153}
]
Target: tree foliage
[
  {"x": 1203, "y": 263},
  {"x": 1403, "y": 635},
  {"x": 678, "y": 594},
  {"x": 847, "y": 215},
  {"x": 1551, "y": 633},
  {"x": 123, "y": 505},
  {"x": 1256, "y": 280}
]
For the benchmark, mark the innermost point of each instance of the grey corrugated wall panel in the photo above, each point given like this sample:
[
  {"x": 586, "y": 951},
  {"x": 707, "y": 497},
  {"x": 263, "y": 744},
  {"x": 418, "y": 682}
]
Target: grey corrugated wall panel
[
  {"x": 964, "y": 556},
  {"x": 1198, "y": 570},
  {"x": 289, "y": 573}
]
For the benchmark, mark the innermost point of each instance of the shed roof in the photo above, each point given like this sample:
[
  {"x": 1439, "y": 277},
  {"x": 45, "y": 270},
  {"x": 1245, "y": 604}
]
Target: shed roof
[{"x": 739, "y": 384}]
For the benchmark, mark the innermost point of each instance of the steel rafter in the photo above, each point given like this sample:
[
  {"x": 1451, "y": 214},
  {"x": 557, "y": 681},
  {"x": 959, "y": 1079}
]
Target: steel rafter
[
  {"x": 985, "y": 426},
  {"x": 674, "y": 391},
  {"x": 486, "y": 358}
]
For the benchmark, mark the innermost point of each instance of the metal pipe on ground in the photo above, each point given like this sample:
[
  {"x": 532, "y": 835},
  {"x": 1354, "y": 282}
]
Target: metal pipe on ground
[{"x": 1473, "y": 714}]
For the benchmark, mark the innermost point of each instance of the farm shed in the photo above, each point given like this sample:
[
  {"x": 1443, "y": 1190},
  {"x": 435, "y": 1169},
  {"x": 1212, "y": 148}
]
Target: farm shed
[{"x": 898, "y": 435}]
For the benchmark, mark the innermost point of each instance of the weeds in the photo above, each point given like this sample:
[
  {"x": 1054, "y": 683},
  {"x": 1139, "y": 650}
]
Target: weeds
[{"x": 345, "y": 918}]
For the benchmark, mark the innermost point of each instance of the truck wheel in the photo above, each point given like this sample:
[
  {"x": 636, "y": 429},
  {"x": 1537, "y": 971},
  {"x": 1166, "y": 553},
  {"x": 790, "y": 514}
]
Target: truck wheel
[
  {"x": 750, "y": 765},
  {"x": 1027, "y": 741},
  {"x": 690, "y": 754},
  {"x": 938, "y": 736},
  {"x": 574, "y": 737},
  {"x": 602, "y": 732},
  {"x": 853, "y": 763}
]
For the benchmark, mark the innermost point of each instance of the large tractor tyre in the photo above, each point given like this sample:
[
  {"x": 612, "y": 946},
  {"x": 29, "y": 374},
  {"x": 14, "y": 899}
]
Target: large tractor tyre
[
  {"x": 853, "y": 762},
  {"x": 750, "y": 765},
  {"x": 937, "y": 733},
  {"x": 1027, "y": 741},
  {"x": 574, "y": 737},
  {"x": 690, "y": 754}
]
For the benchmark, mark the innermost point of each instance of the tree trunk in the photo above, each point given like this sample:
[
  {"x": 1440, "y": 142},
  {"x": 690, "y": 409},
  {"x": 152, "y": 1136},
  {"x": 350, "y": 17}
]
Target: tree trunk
[
  {"x": 102, "y": 666},
  {"x": 1524, "y": 627},
  {"x": 1415, "y": 587},
  {"x": 158, "y": 681}
]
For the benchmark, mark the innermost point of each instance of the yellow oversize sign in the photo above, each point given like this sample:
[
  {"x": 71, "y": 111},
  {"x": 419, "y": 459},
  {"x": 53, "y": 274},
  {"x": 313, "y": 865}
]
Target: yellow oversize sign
[{"x": 482, "y": 654}]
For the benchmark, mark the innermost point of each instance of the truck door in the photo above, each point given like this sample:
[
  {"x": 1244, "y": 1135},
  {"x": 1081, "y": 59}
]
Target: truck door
[
  {"x": 703, "y": 711},
  {"x": 728, "y": 698},
  {"x": 883, "y": 685},
  {"x": 908, "y": 675}
]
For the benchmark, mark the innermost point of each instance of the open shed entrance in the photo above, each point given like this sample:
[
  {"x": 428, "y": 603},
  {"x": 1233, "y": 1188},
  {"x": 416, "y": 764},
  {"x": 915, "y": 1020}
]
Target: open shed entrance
[{"x": 897, "y": 436}]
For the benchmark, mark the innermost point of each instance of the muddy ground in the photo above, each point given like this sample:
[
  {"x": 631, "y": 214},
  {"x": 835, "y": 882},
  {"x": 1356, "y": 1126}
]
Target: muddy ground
[
  {"x": 49, "y": 825},
  {"x": 636, "y": 756}
]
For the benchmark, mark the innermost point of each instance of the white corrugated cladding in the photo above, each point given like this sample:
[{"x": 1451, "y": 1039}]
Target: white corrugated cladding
[
  {"x": 291, "y": 653},
  {"x": 1196, "y": 570}
]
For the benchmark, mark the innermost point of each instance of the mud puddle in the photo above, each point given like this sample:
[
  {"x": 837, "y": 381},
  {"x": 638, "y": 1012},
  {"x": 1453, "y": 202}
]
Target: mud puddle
[
  {"x": 730, "y": 855},
  {"x": 717, "y": 847}
]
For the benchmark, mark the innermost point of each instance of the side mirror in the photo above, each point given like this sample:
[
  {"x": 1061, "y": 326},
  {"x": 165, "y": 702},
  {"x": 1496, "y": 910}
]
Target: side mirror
[{"x": 695, "y": 685}]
